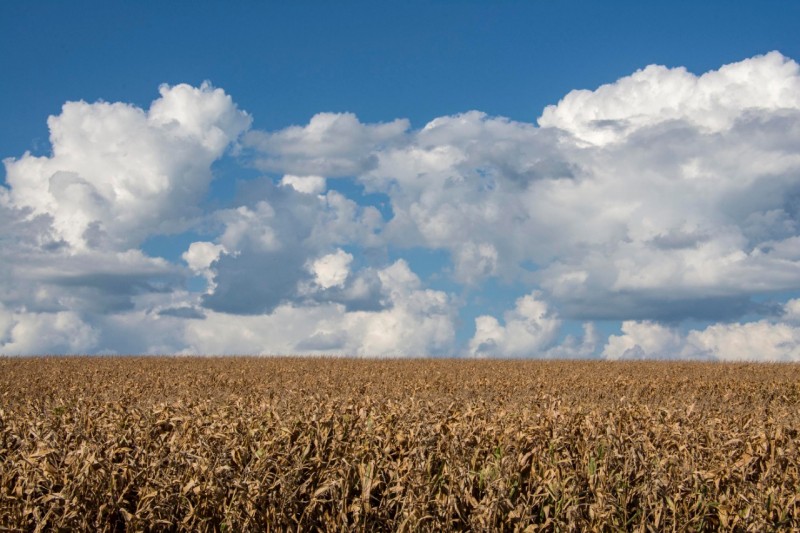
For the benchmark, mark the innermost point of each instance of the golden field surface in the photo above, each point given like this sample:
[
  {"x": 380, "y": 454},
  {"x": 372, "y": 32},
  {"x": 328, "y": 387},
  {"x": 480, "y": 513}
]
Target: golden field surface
[{"x": 249, "y": 444}]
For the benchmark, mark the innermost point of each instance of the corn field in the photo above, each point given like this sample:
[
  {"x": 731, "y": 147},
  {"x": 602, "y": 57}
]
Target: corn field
[{"x": 250, "y": 444}]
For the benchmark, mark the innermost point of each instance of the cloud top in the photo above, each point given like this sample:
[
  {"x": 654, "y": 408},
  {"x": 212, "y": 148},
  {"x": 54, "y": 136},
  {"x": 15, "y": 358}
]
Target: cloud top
[{"x": 658, "y": 94}]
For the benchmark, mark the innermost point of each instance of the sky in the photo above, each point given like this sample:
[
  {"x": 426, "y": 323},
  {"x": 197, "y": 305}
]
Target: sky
[{"x": 616, "y": 180}]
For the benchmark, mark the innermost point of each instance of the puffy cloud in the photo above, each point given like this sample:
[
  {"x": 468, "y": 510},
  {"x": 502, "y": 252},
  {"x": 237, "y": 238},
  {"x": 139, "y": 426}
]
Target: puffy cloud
[
  {"x": 791, "y": 311},
  {"x": 332, "y": 144},
  {"x": 182, "y": 312},
  {"x": 529, "y": 328},
  {"x": 306, "y": 184},
  {"x": 475, "y": 261},
  {"x": 752, "y": 341},
  {"x": 640, "y": 340},
  {"x": 23, "y": 333},
  {"x": 255, "y": 281},
  {"x": 573, "y": 347},
  {"x": 761, "y": 340},
  {"x": 152, "y": 328},
  {"x": 418, "y": 321},
  {"x": 201, "y": 255},
  {"x": 679, "y": 217},
  {"x": 72, "y": 221},
  {"x": 332, "y": 270},
  {"x": 690, "y": 211},
  {"x": 656, "y": 94},
  {"x": 281, "y": 241},
  {"x": 118, "y": 173}
]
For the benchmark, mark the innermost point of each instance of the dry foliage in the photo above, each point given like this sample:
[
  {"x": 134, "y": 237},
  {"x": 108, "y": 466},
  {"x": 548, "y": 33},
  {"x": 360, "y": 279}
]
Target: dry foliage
[{"x": 245, "y": 444}]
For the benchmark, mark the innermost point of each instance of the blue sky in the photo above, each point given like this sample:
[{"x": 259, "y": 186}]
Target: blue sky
[
  {"x": 312, "y": 178},
  {"x": 286, "y": 61}
]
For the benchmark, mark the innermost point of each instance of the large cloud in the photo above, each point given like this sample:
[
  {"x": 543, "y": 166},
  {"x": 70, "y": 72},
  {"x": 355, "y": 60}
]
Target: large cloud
[
  {"x": 690, "y": 209},
  {"x": 71, "y": 222},
  {"x": 118, "y": 174}
]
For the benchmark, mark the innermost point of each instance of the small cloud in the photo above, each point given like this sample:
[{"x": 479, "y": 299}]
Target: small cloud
[
  {"x": 304, "y": 184},
  {"x": 332, "y": 144},
  {"x": 201, "y": 255},
  {"x": 331, "y": 270}
]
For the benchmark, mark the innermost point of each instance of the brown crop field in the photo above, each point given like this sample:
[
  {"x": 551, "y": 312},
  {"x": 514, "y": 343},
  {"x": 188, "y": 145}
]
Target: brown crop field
[{"x": 248, "y": 444}]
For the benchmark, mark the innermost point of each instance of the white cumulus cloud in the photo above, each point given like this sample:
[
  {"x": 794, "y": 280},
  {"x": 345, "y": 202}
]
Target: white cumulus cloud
[
  {"x": 332, "y": 270},
  {"x": 656, "y": 94},
  {"x": 331, "y": 145},
  {"x": 641, "y": 340},
  {"x": 752, "y": 341},
  {"x": 306, "y": 184},
  {"x": 761, "y": 340},
  {"x": 25, "y": 333},
  {"x": 119, "y": 173},
  {"x": 689, "y": 212},
  {"x": 527, "y": 330}
]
